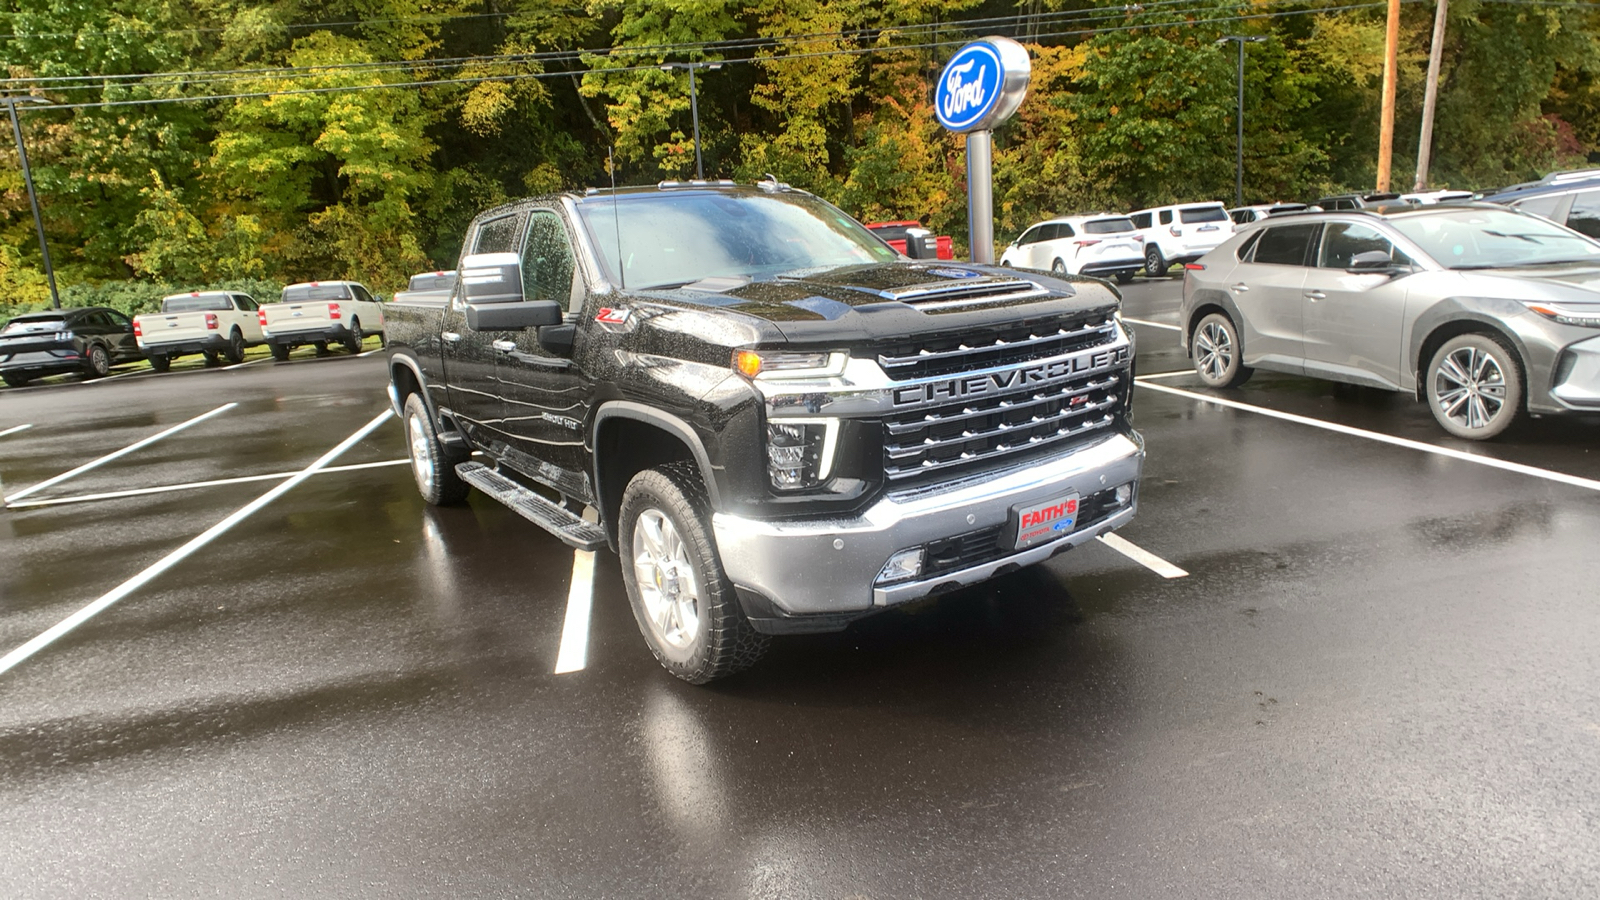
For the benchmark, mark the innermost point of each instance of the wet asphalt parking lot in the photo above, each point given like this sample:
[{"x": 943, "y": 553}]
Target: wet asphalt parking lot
[{"x": 1377, "y": 678}]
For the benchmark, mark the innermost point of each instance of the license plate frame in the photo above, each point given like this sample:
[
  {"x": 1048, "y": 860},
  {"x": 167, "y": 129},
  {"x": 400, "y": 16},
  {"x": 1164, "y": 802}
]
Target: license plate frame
[{"x": 1042, "y": 521}]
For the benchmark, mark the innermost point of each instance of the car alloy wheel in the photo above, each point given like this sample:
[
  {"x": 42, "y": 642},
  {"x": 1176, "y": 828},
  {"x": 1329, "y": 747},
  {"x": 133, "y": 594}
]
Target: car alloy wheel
[
  {"x": 1218, "y": 359},
  {"x": 1474, "y": 387},
  {"x": 1058, "y": 268},
  {"x": 667, "y": 583},
  {"x": 1154, "y": 262},
  {"x": 99, "y": 362}
]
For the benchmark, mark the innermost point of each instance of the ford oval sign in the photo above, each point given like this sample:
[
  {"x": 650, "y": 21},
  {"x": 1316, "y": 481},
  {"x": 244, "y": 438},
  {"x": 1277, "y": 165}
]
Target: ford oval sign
[{"x": 982, "y": 85}]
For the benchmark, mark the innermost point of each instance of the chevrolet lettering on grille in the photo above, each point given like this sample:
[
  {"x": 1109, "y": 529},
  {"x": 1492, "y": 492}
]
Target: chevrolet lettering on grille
[{"x": 1009, "y": 380}]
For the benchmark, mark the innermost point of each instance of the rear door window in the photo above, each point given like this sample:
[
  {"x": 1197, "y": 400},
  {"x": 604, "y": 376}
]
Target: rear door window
[
  {"x": 1166, "y": 217},
  {"x": 1585, "y": 215},
  {"x": 497, "y": 236},
  {"x": 1284, "y": 245}
]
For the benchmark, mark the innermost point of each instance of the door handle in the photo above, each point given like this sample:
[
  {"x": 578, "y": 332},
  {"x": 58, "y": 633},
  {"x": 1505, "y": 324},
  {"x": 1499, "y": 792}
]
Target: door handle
[
  {"x": 1315, "y": 295},
  {"x": 1241, "y": 287},
  {"x": 504, "y": 346},
  {"x": 450, "y": 336}
]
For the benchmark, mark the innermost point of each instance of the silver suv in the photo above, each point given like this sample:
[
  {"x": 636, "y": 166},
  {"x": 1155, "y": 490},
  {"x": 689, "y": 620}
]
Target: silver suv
[{"x": 1482, "y": 311}]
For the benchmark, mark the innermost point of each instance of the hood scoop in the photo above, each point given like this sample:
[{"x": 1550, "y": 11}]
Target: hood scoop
[{"x": 962, "y": 294}]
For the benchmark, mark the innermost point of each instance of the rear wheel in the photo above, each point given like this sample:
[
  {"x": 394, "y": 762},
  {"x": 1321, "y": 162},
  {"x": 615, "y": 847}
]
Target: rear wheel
[
  {"x": 160, "y": 363},
  {"x": 353, "y": 342},
  {"x": 432, "y": 467},
  {"x": 98, "y": 363},
  {"x": 1058, "y": 268},
  {"x": 684, "y": 604},
  {"x": 1217, "y": 355},
  {"x": 1154, "y": 263},
  {"x": 1474, "y": 386},
  {"x": 322, "y": 347},
  {"x": 280, "y": 353},
  {"x": 212, "y": 357},
  {"x": 235, "y": 350},
  {"x": 1124, "y": 277}
]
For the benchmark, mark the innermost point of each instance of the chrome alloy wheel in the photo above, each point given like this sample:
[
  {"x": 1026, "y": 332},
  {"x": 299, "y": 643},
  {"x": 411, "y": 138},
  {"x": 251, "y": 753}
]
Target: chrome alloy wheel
[
  {"x": 667, "y": 582},
  {"x": 1214, "y": 350},
  {"x": 422, "y": 462},
  {"x": 1470, "y": 387}
]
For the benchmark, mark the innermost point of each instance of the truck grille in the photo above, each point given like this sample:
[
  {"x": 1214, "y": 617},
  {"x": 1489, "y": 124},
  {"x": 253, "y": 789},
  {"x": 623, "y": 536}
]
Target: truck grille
[
  {"x": 1002, "y": 347},
  {"x": 1000, "y": 428}
]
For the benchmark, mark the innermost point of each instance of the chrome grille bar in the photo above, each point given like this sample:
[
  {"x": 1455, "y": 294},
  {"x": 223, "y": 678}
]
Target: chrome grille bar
[
  {"x": 895, "y": 473},
  {"x": 1106, "y": 329},
  {"x": 899, "y": 452}
]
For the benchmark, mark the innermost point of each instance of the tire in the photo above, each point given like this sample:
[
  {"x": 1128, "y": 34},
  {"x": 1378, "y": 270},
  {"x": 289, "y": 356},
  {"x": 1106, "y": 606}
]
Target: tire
[
  {"x": 433, "y": 468},
  {"x": 16, "y": 380},
  {"x": 685, "y": 607},
  {"x": 160, "y": 363},
  {"x": 234, "y": 353},
  {"x": 322, "y": 347},
  {"x": 280, "y": 353},
  {"x": 212, "y": 358},
  {"x": 1058, "y": 268},
  {"x": 1154, "y": 263},
  {"x": 98, "y": 362},
  {"x": 353, "y": 342},
  {"x": 1218, "y": 356},
  {"x": 1474, "y": 386},
  {"x": 1124, "y": 277}
]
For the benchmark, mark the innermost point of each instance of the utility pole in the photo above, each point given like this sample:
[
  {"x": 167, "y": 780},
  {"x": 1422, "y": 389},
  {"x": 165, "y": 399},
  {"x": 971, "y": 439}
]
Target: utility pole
[
  {"x": 27, "y": 179},
  {"x": 1430, "y": 96},
  {"x": 1238, "y": 169},
  {"x": 1391, "y": 52},
  {"x": 694, "y": 106}
]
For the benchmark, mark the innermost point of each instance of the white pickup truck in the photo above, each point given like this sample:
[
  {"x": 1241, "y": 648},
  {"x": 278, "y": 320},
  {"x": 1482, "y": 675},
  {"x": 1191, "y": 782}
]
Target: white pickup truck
[
  {"x": 320, "y": 312},
  {"x": 214, "y": 323},
  {"x": 428, "y": 288}
]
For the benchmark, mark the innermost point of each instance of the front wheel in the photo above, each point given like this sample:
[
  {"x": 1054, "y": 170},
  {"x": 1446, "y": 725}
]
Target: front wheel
[
  {"x": 212, "y": 358},
  {"x": 684, "y": 604},
  {"x": 1474, "y": 387},
  {"x": 235, "y": 349},
  {"x": 433, "y": 468},
  {"x": 16, "y": 380},
  {"x": 1218, "y": 359},
  {"x": 353, "y": 342},
  {"x": 1058, "y": 268}
]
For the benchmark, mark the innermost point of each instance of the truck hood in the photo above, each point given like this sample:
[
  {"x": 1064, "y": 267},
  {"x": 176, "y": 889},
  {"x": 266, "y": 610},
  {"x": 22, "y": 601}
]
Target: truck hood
[{"x": 894, "y": 300}]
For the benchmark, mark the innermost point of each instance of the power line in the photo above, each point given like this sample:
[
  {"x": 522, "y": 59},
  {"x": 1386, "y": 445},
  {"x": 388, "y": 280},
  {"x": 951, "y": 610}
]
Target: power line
[{"x": 861, "y": 51}]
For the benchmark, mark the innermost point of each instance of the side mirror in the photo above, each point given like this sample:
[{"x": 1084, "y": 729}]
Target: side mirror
[
  {"x": 491, "y": 278},
  {"x": 1375, "y": 262},
  {"x": 520, "y": 316}
]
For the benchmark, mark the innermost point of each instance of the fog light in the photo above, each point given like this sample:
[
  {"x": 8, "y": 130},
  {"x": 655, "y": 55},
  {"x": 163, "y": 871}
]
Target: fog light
[
  {"x": 1123, "y": 494},
  {"x": 904, "y": 565}
]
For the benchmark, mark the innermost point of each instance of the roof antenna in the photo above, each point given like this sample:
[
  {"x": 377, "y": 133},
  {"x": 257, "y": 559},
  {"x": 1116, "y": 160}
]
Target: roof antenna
[{"x": 616, "y": 220}]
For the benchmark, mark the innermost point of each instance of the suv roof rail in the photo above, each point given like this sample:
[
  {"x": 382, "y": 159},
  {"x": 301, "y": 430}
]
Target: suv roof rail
[
  {"x": 1570, "y": 175},
  {"x": 695, "y": 183}
]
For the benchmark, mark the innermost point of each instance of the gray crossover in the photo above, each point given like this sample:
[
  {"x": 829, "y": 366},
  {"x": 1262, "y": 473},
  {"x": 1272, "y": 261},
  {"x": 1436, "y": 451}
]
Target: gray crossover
[{"x": 1481, "y": 311}]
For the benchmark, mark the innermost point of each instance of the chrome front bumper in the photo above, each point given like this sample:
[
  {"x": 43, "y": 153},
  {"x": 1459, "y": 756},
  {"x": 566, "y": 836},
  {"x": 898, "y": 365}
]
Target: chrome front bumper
[{"x": 830, "y": 566}]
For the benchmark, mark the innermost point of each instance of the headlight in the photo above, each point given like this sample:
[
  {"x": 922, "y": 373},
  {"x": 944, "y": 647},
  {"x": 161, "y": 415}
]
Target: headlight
[
  {"x": 800, "y": 452},
  {"x": 1587, "y": 318},
  {"x": 776, "y": 364}
]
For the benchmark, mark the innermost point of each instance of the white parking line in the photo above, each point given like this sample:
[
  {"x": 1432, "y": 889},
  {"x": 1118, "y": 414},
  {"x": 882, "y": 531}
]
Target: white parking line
[
  {"x": 1491, "y": 462},
  {"x": 122, "y": 590},
  {"x": 16, "y": 428},
  {"x": 1173, "y": 374},
  {"x": 1142, "y": 556},
  {"x": 574, "y": 652},
  {"x": 1150, "y": 324},
  {"x": 116, "y": 376},
  {"x": 250, "y": 363},
  {"x": 120, "y": 453},
  {"x": 192, "y": 485},
  {"x": 370, "y": 352}
]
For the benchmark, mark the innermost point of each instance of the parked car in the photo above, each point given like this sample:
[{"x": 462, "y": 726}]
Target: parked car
[
  {"x": 1178, "y": 234},
  {"x": 216, "y": 324},
  {"x": 909, "y": 237},
  {"x": 428, "y": 287},
  {"x": 1104, "y": 244},
  {"x": 778, "y": 430},
  {"x": 1481, "y": 311},
  {"x": 86, "y": 339},
  {"x": 1566, "y": 198},
  {"x": 1244, "y": 215},
  {"x": 1428, "y": 198},
  {"x": 1353, "y": 201},
  {"x": 319, "y": 313}
]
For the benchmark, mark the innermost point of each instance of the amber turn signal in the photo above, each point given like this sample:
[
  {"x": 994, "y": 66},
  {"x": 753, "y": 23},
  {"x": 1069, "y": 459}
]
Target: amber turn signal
[{"x": 747, "y": 363}]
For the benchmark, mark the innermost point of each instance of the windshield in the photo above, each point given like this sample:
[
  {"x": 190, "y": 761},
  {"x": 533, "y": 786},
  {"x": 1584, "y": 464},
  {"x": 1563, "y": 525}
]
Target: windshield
[
  {"x": 187, "y": 303},
  {"x": 1109, "y": 226},
  {"x": 32, "y": 326},
  {"x": 671, "y": 239},
  {"x": 1492, "y": 238},
  {"x": 1192, "y": 214},
  {"x": 300, "y": 293}
]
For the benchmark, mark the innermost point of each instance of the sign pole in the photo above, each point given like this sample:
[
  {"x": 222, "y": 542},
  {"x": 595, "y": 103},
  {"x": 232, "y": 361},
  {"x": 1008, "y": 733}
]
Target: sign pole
[{"x": 980, "y": 196}]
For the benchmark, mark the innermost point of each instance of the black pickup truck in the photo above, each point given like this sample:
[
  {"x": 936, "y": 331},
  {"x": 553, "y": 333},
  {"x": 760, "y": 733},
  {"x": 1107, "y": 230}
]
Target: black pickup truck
[{"x": 778, "y": 422}]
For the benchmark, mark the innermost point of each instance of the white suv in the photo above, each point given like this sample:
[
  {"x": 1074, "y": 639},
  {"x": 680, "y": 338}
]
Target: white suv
[
  {"x": 1181, "y": 233},
  {"x": 1104, "y": 244}
]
